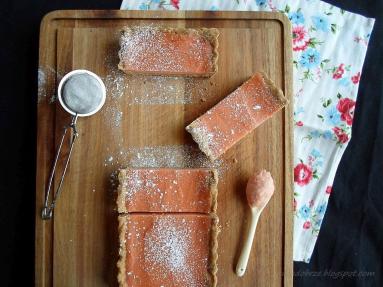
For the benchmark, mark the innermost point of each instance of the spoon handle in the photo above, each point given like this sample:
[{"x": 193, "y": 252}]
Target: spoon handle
[{"x": 244, "y": 257}]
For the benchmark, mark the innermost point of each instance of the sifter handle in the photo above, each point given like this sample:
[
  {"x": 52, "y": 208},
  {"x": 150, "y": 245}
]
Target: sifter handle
[{"x": 47, "y": 210}]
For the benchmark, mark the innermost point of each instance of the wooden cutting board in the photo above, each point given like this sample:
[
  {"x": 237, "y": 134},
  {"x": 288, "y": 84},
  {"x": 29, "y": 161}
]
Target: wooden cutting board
[{"x": 142, "y": 124}]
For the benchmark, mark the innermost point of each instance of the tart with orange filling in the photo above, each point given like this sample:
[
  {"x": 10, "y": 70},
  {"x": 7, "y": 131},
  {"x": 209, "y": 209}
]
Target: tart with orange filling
[
  {"x": 175, "y": 250},
  {"x": 167, "y": 190},
  {"x": 236, "y": 115},
  {"x": 152, "y": 50}
]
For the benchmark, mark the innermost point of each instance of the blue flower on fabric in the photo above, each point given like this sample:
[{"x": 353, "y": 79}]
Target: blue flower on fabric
[
  {"x": 321, "y": 23},
  {"x": 318, "y": 163},
  {"x": 260, "y": 2},
  {"x": 315, "y": 153},
  {"x": 332, "y": 117},
  {"x": 213, "y": 8},
  {"x": 315, "y": 134},
  {"x": 143, "y": 6},
  {"x": 321, "y": 208},
  {"x": 296, "y": 17},
  {"x": 156, "y": 1},
  {"x": 299, "y": 110},
  {"x": 344, "y": 82},
  {"x": 304, "y": 211},
  {"x": 327, "y": 135},
  {"x": 310, "y": 58}
]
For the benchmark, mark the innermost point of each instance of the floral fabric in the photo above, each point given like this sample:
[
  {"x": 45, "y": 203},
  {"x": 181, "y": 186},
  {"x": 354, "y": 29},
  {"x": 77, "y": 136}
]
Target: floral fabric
[{"x": 329, "y": 47}]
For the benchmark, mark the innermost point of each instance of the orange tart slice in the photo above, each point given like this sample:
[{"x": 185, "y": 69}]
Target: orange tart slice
[
  {"x": 175, "y": 250},
  {"x": 237, "y": 115},
  {"x": 152, "y": 50},
  {"x": 167, "y": 190}
]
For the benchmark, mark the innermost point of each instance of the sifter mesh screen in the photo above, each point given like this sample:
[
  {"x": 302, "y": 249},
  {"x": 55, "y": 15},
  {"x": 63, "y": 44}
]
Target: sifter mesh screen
[{"x": 82, "y": 93}]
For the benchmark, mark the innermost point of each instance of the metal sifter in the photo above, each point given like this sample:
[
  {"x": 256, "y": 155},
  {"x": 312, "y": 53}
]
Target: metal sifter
[{"x": 81, "y": 93}]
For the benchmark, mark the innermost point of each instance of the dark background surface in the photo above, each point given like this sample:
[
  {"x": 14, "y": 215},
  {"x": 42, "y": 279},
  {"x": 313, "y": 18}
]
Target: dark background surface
[{"x": 351, "y": 238}]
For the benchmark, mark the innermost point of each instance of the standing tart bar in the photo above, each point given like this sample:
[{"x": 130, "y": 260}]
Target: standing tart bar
[
  {"x": 168, "y": 227},
  {"x": 175, "y": 250},
  {"x": 167, "y": 190},
  {"x": 159, "y": 51},
  {"x": 237, "y": 115}
]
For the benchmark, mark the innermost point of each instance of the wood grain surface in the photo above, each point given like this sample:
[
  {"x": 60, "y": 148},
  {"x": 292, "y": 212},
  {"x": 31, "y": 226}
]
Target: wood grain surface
[{"x": 79, "y": 246}]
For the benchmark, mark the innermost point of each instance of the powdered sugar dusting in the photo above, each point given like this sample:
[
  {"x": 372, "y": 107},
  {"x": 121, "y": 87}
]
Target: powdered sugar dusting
[
  {"x": 113, "y": 115},
  {"x": 152, "y": 90},
  {"x": 168, "y": 245},
  {"x": 160, "y": 50},
  {"x": 203, "y": 137},
  {"x": 212, "y": 138},
  {"x": 115, "y": 84},
  {"x": 171, "y": 156},
  {"x": 115, "y": 80},
  {"x": 169, "y": 249},
  {"x": 124, "y": 91},
  {"x": 236, "y": 115},
  {"x": 135, "y": 182},
  {"x": 154, "y": 187},
  {"x": 46, "y": 77},
  {"x": 42, "y": 80},
  {"x": 168, "y": 156},
  {"x": 156, "y": 90}
]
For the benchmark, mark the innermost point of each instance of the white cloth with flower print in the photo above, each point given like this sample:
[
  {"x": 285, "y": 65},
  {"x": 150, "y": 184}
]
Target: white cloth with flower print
[{"x": 329, "y": 47}]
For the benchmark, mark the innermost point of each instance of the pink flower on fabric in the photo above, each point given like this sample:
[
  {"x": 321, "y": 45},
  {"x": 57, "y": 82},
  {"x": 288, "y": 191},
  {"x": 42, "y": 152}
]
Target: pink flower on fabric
[
  {"x": 328, "y": 189},
  {"x": 346, "y": 108},
  {"x": 175, "y": 4},
  {"x": 311, "y": 203},
  {"x": 299, "y": 123},
  {"x": 338, "y": 72},
  {"x": 303, "y": 174},
  {"x": 341, "y": 135},
  {"x": 300, "y": 38},
  {"x": 356, "y": 78},
  {"x": 307, "y": 225}
]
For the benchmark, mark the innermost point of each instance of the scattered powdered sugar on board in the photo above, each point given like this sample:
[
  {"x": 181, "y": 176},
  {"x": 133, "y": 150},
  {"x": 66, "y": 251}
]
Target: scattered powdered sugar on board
[
  {"x": 113, "y": 116},
  {"x": 115, "y": 84},
  {"x": 46, "y": 79},
  {"x": 152, "y": 90},
  {"x": 42, "y": 81},
  {"x": 169, "y": 156},
  {"x": 126, "y": 90},
  {"x": 156, "y": 90}
]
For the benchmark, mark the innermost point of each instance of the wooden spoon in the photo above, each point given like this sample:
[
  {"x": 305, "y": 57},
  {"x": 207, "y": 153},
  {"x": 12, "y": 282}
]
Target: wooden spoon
[{"x": 259, "y": 190}]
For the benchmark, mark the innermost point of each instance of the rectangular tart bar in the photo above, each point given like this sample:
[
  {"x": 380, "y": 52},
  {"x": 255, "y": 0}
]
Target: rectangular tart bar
[
  {"x": 237, "y": 115},
  {"x": 167, "y": 190},
  {"x": 160, "y": 51},
  {"x": 167, "y": 250}
]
